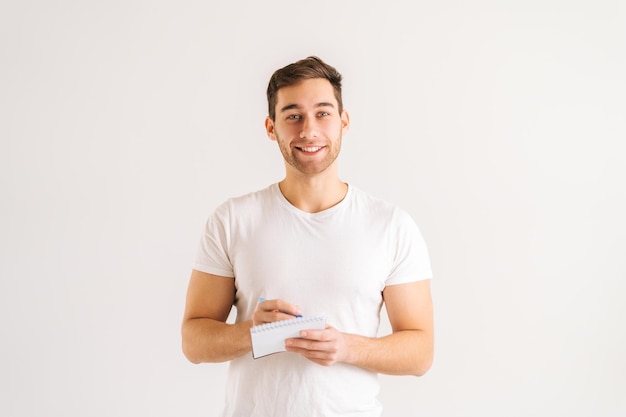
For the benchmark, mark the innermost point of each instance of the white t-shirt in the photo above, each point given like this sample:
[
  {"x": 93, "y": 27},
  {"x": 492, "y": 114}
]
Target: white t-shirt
[{"x": 337, "y": 261}]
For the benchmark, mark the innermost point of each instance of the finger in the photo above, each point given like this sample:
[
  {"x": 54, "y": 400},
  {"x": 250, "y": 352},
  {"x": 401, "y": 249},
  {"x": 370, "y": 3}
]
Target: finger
[
  {"x": 309, "y": 345},
  {"x": 281, "y": 306},
  {"x": 262, "y": 317},
  {"x": 319, "y": 335},
  {"x": 318, "y": 351}
]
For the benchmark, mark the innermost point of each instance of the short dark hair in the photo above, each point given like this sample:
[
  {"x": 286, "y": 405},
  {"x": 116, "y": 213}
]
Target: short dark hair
[{"x": 304, "y": 69}]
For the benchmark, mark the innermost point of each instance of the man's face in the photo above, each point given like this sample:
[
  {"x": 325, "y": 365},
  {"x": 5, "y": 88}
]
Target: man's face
[{"x": 308, "y": 126}]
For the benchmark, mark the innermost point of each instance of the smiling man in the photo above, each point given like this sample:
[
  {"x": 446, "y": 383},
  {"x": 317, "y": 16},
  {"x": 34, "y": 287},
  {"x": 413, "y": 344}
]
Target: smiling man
[{"x": 310, "y": 243}]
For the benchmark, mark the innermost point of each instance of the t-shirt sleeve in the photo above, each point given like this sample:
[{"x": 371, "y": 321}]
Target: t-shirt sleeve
[
  {"x": 409, "y": 255},
  {"x": 212, "y": 255}
]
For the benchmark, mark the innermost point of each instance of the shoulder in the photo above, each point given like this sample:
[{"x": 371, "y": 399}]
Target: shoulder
[
  {"x": 248, "y": 201},
  {"x": 376, "y": 206}
]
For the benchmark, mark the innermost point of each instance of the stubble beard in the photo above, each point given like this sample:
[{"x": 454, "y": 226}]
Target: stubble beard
[{"x": 310, "y": 168}]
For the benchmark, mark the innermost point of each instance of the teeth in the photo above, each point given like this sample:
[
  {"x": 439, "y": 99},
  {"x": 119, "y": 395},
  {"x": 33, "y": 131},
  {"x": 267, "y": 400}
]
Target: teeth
[{"x": 311, "y": 148}]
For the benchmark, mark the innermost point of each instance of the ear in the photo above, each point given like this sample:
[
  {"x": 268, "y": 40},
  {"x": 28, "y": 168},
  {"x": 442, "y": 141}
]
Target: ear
[
  {"x": 345, "y": 122},
  {"x": 269, "y": 128}
]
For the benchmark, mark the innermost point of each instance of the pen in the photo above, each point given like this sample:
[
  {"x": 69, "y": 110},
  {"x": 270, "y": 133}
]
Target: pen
[{"x": 261, "y": 299}]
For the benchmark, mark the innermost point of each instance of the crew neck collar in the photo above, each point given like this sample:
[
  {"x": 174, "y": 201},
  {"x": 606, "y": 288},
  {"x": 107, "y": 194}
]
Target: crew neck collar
[{"x": 279, "y": 195}]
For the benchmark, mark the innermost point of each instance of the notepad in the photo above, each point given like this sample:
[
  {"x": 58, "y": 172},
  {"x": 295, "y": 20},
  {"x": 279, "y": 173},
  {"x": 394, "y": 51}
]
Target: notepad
[{"x": 270, "y": 338}]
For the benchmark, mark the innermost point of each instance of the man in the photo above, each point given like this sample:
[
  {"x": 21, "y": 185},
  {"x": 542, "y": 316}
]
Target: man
[{"x": 310, "y": 244}]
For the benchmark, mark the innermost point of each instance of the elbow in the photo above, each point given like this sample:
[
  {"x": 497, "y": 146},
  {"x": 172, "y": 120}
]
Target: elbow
[
  {"x": 423, "y": 364},
  {"x": 193, "y": 360},
  {"x": 425, "y": 357},
  {"x": 189, "y": 353},
  {"x": 191, "y": 357},
  {"x": 189, "y": 347},
  {"x": 422, "y": 368}
]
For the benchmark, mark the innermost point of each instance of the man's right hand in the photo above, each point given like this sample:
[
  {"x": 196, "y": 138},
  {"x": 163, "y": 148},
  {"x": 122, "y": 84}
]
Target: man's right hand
[{"x": 269, "y": 311}]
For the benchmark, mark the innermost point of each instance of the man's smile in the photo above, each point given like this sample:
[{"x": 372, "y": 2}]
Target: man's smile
[{"x": 309, "y": 149}]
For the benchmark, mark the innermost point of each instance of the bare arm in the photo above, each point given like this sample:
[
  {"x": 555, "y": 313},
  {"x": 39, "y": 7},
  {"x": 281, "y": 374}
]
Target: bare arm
[
  {"x": 407, "y": 351},
  {"x": 206, "y": 336}
]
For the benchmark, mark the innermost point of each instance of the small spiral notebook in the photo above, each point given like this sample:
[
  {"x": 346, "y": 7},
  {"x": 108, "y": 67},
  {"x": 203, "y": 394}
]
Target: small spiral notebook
[{"x": 270, "y": 337}]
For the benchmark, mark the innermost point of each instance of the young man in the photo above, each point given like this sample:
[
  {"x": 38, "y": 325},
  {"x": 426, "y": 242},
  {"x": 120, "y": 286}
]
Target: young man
[{"x": 309, "y": 244}]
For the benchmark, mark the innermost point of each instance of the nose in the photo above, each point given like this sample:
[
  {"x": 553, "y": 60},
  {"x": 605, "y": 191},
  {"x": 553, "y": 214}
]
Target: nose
[{"x": 309, "y": 129}]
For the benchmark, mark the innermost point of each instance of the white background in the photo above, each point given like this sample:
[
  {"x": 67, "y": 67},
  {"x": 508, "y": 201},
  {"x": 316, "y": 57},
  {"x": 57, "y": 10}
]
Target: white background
[{"x": 498, "y": 125}]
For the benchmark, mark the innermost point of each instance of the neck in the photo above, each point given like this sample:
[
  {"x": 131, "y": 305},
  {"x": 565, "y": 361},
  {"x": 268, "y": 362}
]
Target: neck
[{"x": 313, "y": 193}]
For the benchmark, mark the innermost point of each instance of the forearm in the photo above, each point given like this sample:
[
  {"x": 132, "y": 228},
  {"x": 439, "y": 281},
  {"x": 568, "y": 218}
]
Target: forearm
[
  {"x": 406, "y": 352},
  {"x": 207, "y": 340}
]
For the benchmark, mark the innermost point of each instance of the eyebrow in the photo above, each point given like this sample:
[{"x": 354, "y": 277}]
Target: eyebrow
[{"x": 297, "y": 106}]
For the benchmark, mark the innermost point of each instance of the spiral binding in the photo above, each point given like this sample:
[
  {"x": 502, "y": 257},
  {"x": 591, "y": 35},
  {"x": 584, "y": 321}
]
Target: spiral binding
[{"x": 286, "y": 323}]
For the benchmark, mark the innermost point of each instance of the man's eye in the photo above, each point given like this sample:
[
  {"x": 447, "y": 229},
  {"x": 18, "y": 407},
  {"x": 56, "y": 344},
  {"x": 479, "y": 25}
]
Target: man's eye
[
  {"x": 324, "y": 114},
  {"x": 293, "y": 117}
]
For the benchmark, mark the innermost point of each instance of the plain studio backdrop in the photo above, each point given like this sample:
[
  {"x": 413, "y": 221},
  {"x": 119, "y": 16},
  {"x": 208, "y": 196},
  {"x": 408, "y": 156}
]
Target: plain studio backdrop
[{"x": 499, "y": 126}]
